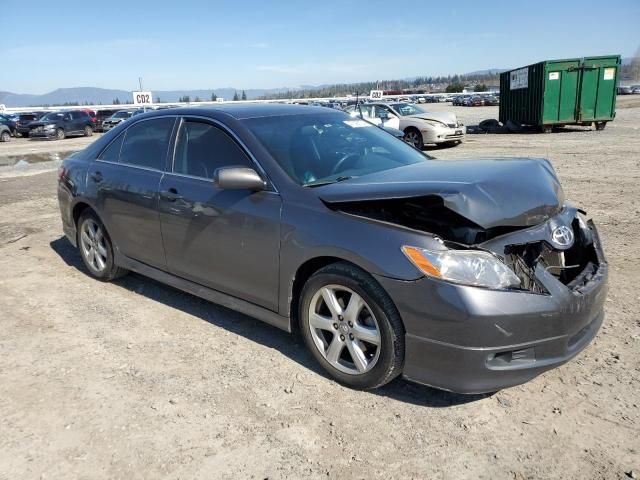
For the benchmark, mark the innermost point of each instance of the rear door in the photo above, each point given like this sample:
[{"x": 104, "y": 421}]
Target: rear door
[
  {"x": 124, "y": 181},
  {"x": 228, "y": 240}
]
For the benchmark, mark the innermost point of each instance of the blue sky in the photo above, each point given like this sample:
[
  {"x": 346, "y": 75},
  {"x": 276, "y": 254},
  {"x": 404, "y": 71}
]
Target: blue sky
[{"x": 193, "y": 44}]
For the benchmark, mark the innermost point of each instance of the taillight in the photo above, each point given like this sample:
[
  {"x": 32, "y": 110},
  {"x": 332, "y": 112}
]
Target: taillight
[{"x": 61, "y": 173}]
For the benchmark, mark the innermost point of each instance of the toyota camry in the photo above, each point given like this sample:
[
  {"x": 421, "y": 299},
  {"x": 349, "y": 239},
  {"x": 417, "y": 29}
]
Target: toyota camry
[{"x": 467, "y": 275}]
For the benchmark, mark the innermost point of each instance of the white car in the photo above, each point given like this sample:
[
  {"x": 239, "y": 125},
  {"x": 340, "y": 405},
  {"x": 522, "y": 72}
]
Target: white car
[
  {"x": 375, "y": 114},
  {"x": 421, "y": 127}
]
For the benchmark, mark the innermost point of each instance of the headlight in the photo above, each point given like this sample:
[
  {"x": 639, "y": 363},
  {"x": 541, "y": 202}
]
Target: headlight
[
  {"x": 467, "y": 267},
  {"x": 435, "y": 123}
]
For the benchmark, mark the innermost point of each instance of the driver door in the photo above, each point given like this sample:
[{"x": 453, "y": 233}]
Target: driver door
[{"x": 227, "y": 240}]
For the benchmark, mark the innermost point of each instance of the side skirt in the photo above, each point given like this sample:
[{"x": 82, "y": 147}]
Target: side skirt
[{"x": 206, "y": 293}]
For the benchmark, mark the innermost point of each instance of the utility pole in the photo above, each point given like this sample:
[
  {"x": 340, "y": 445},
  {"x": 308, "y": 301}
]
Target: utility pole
[{"x": 140, "y": 82}]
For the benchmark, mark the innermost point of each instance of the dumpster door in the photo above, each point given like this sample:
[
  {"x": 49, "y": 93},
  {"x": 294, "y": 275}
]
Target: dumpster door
[{"x": 588, "y": 93}]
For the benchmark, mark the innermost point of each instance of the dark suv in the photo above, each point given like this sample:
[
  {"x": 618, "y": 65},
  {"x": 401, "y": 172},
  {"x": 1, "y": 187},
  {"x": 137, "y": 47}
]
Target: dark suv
[
  {"x": 469, "y": 275},
  {"x": 62, "y": 124},
  {"x": 101, "y": 116},
  {"x": 23, "y": 121}
]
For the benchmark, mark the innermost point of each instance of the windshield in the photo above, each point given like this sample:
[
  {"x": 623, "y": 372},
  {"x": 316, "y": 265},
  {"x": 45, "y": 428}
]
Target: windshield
[
  {"x": 405, "y": 109},
  {"x": 329, "y": 147},
  {"x": 53, "y": 116},
  {"x": 121, "y": 115}
]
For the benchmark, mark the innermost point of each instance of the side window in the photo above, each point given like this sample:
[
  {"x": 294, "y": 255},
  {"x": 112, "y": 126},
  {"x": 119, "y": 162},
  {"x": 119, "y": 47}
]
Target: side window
[
  {"x": 203, "y": 148},
  {"x": 112, "y": 152},
  {"x": 145, "y": 143}
]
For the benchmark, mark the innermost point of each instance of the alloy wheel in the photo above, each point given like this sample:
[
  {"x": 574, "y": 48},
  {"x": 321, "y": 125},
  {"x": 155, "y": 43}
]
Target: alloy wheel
[
  {"x": 412, "y": 138},
  {"x": 93, "y": 245},
  {"x": 344, "y": 329}
]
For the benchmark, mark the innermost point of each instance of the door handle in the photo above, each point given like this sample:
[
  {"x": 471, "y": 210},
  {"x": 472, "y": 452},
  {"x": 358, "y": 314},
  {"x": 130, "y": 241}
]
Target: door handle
[
  {"x": 96, "y": 177},
  {"x": 170, "y": 195}
]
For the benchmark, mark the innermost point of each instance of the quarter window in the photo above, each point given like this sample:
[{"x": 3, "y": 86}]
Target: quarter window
[
  {"x": 112, "y": 152},
  {"x": 145, "y": 143},
  {"x": 203, "y": 148}
]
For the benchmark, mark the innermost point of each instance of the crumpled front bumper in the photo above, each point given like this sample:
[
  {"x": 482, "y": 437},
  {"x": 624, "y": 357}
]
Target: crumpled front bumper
[{"x": 473, "y": 340}]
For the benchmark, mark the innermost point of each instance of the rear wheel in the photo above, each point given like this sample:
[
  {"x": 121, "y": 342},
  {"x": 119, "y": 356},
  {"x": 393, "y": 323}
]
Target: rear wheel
[
  {"x": 88, "y": 131},
  {"x": 352, "y": 327},
  {"x": 546, "y": 128},
  {"x": 96, "y": 248},
  {"x": 60, "y": 135},
  {"x": 600, "y": 125},
  {"x": 414, "y": 137},
  {"x": 5, "y": 136}
]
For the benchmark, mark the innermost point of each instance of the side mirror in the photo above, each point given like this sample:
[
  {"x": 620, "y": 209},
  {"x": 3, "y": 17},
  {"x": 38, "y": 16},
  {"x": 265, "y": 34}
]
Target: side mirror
[
  {"x": 239, "y": 178},
  {"x": 66, "y": 118},
  {"x": 383, "y": 116}
]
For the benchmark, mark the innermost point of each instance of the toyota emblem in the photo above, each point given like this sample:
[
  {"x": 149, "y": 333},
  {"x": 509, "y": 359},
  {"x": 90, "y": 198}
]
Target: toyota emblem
[{"x": 562, "y": 236}]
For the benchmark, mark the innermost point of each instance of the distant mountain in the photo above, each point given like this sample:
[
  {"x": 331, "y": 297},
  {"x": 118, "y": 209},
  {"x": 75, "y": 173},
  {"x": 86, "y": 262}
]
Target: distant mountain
[
  {"x": 104, "y": 96},
  {"x": 489, "y": 71}
]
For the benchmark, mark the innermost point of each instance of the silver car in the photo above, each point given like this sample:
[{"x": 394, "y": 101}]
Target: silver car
[{"x": 421, "y": 127}]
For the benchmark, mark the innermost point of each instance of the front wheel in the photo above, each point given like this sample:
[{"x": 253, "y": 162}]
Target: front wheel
[
  {"x": 414, "y": 137},
  {"x": 88, "y": 131},
  {"x": 96, "y": 248},
  {"x": 352, "y": 327}
]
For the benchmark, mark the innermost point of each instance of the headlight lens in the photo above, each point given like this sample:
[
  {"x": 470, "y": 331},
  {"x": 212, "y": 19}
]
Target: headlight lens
[
  {"x": 434, "y": 123},
  {"x": 467, "y": 267}
]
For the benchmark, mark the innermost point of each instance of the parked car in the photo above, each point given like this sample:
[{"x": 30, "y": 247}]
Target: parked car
[
  {"x": 5, "y": 133},
  {"x": 468, "y": 275},
  {"x": 422, "y": 127},
  {"x": 9, "y": 122},
  {"x": 23, "y": 121},
  {"x": 635, "y": 89},
  {"x": 62, "y": 124},
  {"x": 490, "y": 100},
  {"x": 117, "y": 118},
  {"x": 625, "y": 90},
  {"x": 101, "y": 116},
  {"x": 374, "y": 114}
]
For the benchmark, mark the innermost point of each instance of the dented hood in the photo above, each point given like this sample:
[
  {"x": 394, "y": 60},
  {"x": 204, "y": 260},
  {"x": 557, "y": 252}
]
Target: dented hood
[{"x": 517, "y": 192}]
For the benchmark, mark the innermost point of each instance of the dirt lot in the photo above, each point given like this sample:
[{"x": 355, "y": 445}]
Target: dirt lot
[{"x": 137, "y": 380}]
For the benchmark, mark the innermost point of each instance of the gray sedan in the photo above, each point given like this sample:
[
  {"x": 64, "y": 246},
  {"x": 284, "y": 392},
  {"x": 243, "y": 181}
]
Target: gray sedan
[{"x": 470, "y": 275}]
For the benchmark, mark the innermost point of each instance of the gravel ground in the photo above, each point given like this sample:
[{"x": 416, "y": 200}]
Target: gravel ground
[{"x": 136, "y": 380}]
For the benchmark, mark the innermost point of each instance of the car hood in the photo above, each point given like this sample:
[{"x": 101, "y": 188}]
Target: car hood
[
  {"x": 444, "y": 117},
  {"x": 518, "y": 192}
]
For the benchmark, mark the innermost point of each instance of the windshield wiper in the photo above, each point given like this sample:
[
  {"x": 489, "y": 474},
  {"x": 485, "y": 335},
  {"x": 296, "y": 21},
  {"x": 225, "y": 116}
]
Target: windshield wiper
[{"x": 327, "y": 182}]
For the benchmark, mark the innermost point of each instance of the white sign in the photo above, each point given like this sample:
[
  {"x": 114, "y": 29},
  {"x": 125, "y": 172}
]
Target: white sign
[
  {"x": 219, "y": 99},
  {"x": 142, "y": 98},
  {"x": 554, "y": 75},
  {"x": 609, "y": 73},
  {"x": 519, "y": 78},
  {"x": 376, "y": 94}
]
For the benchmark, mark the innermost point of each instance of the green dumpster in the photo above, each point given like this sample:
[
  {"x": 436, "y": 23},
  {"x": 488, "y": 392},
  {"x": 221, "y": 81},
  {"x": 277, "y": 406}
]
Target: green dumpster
[{"x": 580, "y": 91}]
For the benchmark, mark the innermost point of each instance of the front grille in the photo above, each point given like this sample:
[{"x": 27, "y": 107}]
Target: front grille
[{"x": 573, "y": 267}]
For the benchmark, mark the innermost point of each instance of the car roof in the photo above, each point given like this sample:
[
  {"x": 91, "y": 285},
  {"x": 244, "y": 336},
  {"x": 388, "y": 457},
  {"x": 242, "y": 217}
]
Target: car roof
[{"x": 246, "y": 110}]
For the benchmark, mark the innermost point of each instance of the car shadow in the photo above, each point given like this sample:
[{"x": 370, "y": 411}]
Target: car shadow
[{"x": 257, "y": 331}]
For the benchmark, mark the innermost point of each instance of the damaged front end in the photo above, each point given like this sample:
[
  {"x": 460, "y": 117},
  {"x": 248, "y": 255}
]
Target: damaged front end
[{"x": 533, "y": 254}]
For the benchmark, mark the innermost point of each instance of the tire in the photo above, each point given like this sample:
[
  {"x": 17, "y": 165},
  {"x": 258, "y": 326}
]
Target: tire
[
  {"x": 60, "y": 135},
  {"x": 546, "y": 128},
  {"x": 96, "y": 248},
  {"x": 88, "y": 131},
  {"x": 358, "y": 330},
  {"x": 5, "y": 136},
  {"x": 600, "y": 126},
  {"x": 413, "y": 137}
]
